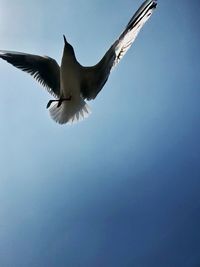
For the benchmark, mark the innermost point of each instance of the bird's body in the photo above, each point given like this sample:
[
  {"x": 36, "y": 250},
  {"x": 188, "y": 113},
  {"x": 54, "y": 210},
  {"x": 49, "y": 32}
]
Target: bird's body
[
  {"x": 71, "y": 83},
  {"x": 69, "y": 75}
]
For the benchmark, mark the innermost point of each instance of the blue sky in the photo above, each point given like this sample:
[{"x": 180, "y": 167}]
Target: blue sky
[{"x": 122, "y": 187}]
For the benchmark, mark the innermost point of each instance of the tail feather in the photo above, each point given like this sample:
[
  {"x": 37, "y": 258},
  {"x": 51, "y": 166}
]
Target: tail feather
[{"x": 70, "y": 111}]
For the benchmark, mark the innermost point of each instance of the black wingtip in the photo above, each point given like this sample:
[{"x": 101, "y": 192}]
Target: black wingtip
[
  {"x": 154, "y": 4},
  {"x": 65, "y": 40}
]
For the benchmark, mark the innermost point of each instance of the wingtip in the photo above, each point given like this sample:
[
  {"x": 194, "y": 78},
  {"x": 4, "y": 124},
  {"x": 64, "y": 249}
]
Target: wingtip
[{"x": 154, "y": 3}]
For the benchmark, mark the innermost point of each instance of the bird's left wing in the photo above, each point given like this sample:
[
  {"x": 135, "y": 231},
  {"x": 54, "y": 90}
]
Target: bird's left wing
[{"x": 44, "y": 69}]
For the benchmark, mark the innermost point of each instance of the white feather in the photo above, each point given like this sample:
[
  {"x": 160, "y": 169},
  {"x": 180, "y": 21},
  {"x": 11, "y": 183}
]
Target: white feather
[{"x": 70, "y": 111}]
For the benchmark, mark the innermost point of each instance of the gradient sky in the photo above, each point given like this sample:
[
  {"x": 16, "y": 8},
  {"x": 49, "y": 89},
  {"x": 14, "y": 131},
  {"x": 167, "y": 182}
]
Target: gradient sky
[{"x": 120, "y": 189}]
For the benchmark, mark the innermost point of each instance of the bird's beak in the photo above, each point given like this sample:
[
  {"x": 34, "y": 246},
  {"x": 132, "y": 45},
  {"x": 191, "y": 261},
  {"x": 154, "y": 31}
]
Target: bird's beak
[{"x": 65, "y": 40}]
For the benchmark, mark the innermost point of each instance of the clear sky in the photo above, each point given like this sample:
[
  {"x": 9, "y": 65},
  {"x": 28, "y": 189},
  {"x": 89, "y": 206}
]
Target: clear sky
[{"x": 120, "y": 189}]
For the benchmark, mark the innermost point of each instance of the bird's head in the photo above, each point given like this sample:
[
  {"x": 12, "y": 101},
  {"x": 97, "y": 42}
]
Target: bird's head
[{"x": 68, "y": 48}]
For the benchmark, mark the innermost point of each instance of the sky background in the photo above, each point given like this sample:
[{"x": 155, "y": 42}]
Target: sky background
[{"x": 120, "y": 189}]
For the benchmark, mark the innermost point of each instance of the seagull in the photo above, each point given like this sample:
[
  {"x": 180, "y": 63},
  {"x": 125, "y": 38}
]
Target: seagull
[{"x": 71, "y": 83}]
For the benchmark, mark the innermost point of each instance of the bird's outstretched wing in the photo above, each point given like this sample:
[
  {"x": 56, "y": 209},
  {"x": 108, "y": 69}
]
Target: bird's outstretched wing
[
  {"x": 128, "y": 36},
  {"x": 95, "y": 77},
  {"x": 44, "y": 69}
]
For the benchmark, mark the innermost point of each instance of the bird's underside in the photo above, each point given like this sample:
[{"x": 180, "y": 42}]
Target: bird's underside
[{"x": 71, "y": 83}]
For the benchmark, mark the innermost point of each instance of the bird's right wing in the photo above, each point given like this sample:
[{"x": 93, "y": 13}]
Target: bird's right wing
[
  {"x": 44, "y": 69},
  {"x": 95, "y": 77},
  {"x": 128, "y": 36}
]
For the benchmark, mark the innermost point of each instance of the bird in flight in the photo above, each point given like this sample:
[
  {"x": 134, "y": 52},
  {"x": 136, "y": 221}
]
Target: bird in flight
[{"x": 71, "y": 83}]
